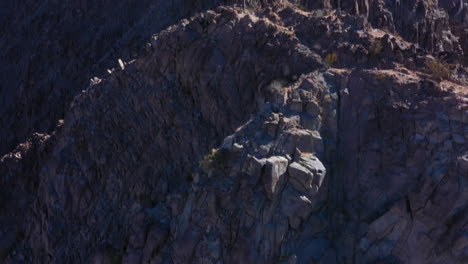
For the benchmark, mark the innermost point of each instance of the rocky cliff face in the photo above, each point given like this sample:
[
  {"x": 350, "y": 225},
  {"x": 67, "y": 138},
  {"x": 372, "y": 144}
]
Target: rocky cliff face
[{"x": 288, "y": 133}]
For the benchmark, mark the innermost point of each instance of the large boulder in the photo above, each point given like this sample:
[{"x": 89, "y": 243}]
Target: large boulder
[
  {"x": 274, "y": 176},
  {"x": 306, "y": 174}
]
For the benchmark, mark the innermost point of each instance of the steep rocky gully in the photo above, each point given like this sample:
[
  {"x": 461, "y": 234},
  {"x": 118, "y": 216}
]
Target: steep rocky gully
[{"x": 285, "y": 134}]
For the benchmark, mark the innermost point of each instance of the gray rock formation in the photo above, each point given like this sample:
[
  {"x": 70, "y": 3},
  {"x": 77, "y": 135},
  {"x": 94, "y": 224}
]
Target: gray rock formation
[{"x": 282, "y": 133}]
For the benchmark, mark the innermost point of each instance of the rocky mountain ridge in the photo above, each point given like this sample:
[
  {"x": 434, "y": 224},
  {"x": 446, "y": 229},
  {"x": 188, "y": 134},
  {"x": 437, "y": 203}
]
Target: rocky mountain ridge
[
  {"x": 51, "y": 49},
  {"x": 279, "y": 134}
]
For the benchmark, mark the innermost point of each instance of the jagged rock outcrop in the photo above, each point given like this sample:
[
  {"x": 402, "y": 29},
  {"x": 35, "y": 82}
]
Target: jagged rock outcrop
[
  {"x": 458, "y": 16},
  {"x": 48, "y": 57},
  {"x": 190, "y": 63},
  {"x": 257, "y": 204},
  {"x": 254, "y": 136},
  {"x": 434, "y": 29}
]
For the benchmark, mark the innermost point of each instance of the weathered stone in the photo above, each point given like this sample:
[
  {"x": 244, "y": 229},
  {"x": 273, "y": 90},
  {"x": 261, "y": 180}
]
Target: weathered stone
[
  {"x": 313, "y": 108},
  {"x": 185, "y": 245},
  {"x": 253, "y": 168},
  {"x": 301, "y": 177},
  {"x": 296, "y": 105},
  {"x": 307, "y": 174},
  {"x": 270, "y": 127},
  {"x": 463, "y": 162},
  {"x": 157, "y": 235},
  {"x": 295, "y": 206},
  {"x": 304, "y": 140},
  {"x": 311, "y": 123},
  {"x": 119, "y": 179},
  {"x": 264, "y": 150},
  {"x": 237, "y": 148},
  {"x": 274, "y": 176}
]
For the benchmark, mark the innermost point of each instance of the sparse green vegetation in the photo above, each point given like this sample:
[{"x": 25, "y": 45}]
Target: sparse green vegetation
[
  {"x": 397, "y": 35},
  {"x": 375, "y": 48},
  {"x": 276, "y": 86},
  {"x": 380, "y": 76},
  {"x": 215, "y": 159},
  {"x": 331, "y": 59},
  {"x": 439, "y": 69},
  {"x": 274, "y": 92}
]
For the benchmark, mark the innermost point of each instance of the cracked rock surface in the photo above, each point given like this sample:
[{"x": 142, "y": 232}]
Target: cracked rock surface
[{"x": 282, "y": 133}]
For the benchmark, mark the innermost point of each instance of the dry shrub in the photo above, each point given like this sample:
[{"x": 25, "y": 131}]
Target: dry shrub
[
  {"x": 331, "y": 59},
  {"x": 380, "y": 76},
  {"x": 215, "y": 159},
  {"x": 375, "y": 48},
  {"x": 439, "y": 69}
]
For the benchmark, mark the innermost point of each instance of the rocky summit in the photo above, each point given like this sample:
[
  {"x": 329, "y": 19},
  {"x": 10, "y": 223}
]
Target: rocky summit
[{"x": 253, "y": 131}]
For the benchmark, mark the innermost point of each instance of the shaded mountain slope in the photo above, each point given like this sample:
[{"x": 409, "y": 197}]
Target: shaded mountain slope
[{"x": 236, "y": 136}]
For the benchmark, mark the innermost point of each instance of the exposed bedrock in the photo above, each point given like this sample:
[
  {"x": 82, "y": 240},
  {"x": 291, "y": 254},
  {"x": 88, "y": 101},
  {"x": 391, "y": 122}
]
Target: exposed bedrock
[
  {"x": 132, "y": 139},
  {"x": 50, "y": 50},
  {"x": 249, "y": 137}
]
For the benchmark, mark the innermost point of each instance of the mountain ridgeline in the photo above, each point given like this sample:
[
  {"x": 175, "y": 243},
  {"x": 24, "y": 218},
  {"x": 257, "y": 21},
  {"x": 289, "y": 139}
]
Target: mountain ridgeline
[{"x": 328, "y": 132}]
